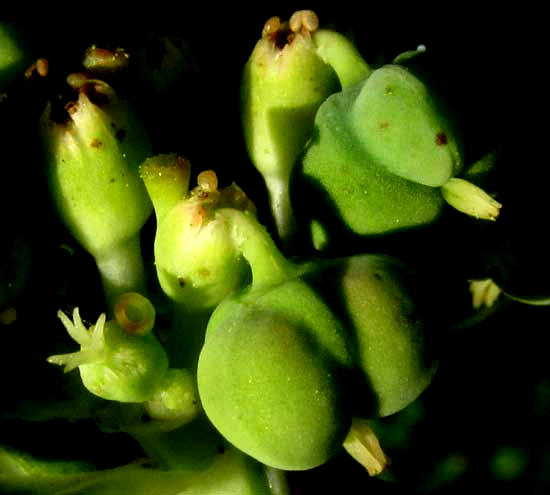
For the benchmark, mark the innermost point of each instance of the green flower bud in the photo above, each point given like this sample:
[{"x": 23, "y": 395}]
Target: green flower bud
[
  {"x": 286, "y": 78},
  {"x": 197, "y": 261},
  {"x": 115, "y": 361},
  {"x": 176, "y": 401},
  {"x": 92, "y": 158}
]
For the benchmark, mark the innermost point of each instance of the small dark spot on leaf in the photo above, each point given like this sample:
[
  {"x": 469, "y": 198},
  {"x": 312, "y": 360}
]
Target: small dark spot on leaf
[
  {"x": 96, "y": 143},
  {"x": 221, "y": 449},
  {"x": 384, "y": 125},
  {"x": 377, "y": 276},
  {"x": 181, "y": 281},
  {"x": 441, "y": 139},
  {"x": 120, "y": 134},
  {"x": 112, "y": 180}
]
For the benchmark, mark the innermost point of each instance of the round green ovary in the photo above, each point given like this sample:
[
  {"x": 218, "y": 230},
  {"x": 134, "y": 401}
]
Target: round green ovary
[
  {"x": 198, "y": 265},
  {"x": 271, "y": 373},
  {"x": 269, "y": 393},
  {"x": 382, "y": 299}
]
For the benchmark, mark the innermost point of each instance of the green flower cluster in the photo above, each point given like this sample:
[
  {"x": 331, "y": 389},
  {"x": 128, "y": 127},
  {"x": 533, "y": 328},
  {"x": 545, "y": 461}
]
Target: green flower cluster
[{"x": 271, "y": 354}]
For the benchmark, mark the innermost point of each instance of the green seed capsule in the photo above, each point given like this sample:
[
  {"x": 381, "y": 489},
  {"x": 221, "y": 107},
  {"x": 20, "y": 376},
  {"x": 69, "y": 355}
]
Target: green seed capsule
[
  {"x": 342, "y": 189},
  {"x": 389, "y": 316},
  {"x": 270, "y": 376},
  {"x": 402, "y": 129}
]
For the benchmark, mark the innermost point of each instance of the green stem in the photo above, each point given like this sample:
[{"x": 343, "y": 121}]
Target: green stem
[
  {"x": 267, "y": 263},
  {"x": 122, "y": 270},
  {"x": 193, "y": 446},
  {"x": 281, "y": 209},
  {"x": 340, "y": 53}
]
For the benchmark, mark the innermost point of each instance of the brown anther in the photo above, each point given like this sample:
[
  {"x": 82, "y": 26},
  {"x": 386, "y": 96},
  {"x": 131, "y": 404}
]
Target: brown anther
[
  {"x": 208, "y": 181},
  {"x": 39, "y": 67},
  {"x": 105, "y": 60},
  {"x": 71, "y": 107},
  {"x": 304, "y": 21},
  {"x": 42, "y": 67},
  {"x": 77, "y": 80},
  {"x": 271, "y": 27}
]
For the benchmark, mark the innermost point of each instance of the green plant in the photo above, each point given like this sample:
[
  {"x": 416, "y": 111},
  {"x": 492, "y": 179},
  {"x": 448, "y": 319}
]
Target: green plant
[{"x": 302, "y": 305}]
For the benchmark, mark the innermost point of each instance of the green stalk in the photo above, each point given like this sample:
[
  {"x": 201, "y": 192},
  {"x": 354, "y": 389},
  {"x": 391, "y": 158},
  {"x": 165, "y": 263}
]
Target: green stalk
[
  {"x": 122, "y": 270},
  {"x": 269, "y": 266}
]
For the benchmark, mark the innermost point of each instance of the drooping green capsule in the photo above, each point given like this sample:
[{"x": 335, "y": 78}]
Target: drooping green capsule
[
  {"x": 288, "y": 75},
  {"x": 383, "y": 158}
]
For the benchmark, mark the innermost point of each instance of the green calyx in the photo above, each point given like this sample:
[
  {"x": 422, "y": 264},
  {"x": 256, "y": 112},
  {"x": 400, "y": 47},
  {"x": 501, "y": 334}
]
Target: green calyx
[
  {"x": 116, "y": 362},
  {"x": 293, "y": 68}
]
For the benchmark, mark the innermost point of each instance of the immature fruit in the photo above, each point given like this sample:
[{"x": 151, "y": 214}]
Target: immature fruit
[
  {"x": 402, "y": 128},
  {"x": 378, "y": 156},
  {"x": 387, "y": 310},
  {"x": 340, "y": 186},
  {"x": 270, "y": 376}
]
